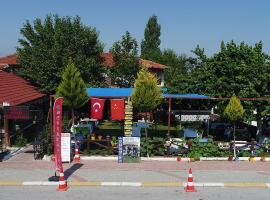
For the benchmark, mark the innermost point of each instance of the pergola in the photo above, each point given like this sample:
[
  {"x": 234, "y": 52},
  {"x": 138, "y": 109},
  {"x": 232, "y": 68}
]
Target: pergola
[{"x": 110, "y": 93}]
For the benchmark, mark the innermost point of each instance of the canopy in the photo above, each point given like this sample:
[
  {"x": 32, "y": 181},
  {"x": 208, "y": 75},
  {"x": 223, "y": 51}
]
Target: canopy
[{"x": 126, "y": 92}]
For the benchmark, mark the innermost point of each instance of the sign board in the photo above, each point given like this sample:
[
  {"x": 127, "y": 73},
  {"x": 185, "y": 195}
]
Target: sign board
[
  {"x": 120, "y": 149},
  {"x": 130, "y": 150},
  {"x": 65, "y": 147},
  {"x": 194, "y": 118},
  {"x": 16, "y": 112}
]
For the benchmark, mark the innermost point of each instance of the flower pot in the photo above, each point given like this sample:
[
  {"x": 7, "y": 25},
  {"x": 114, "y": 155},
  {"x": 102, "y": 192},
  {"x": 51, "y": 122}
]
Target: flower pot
[
  {"x": 251, "y": 159},
  {"x": 230, "y": 158},
  {"x": 178, "y": 159},
  {"x": 262, "y": 159},
  {"x": 100, "y": 137}
]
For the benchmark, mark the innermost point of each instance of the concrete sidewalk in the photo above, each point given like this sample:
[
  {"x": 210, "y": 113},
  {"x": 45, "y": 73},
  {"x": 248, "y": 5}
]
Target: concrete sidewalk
[{"x": 22, "y": 169}]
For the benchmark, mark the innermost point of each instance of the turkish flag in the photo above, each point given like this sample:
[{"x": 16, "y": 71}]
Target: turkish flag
[
  {"x": 118, "y": 109},
  {"x": 97, "y": 106}
]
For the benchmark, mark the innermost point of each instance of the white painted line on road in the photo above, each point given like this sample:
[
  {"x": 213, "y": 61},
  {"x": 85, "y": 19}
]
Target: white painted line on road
[
  {"x": 110, "y": 183},
  {"x": 209, "y": 184},
  {"x": 33, "y": 183},
  {"x": 133, "y": 184}
]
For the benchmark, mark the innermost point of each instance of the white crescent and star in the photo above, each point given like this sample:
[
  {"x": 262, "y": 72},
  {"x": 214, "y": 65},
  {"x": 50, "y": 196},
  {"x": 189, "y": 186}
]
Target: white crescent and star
[{"x": 96, "y": 106}]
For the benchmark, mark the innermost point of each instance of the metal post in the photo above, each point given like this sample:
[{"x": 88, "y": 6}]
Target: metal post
[
  {"x": 169, "y": 117},
  {"x": 51, "y": 124}
]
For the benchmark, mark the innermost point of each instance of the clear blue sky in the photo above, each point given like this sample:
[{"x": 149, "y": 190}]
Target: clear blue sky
[{"x": 184, "y": 23}]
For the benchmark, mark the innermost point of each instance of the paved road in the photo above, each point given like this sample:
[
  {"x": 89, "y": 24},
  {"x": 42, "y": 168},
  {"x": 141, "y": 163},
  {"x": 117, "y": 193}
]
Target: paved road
[{"x": 132, "y": 193}]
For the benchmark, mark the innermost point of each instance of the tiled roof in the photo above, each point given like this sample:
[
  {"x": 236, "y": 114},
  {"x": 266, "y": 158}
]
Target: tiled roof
[
  {"x": 108, "y": 62},
  {"x": 8, "y": 60},
  {"x": 151, "y": 64},
  {"x": 15, "y": 90}
]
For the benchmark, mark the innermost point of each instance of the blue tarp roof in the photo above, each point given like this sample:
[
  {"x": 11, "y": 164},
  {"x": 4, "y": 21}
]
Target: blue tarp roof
[{"x": 126, "y": 92}]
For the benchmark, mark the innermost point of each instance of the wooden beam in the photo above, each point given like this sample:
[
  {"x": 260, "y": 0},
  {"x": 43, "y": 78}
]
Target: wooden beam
[{"x": 6, "y": 134}]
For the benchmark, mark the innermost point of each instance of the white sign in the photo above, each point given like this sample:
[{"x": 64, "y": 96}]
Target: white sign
[
  {"x": 65, "y": 147},
  {"x": 194, "y": 118}
]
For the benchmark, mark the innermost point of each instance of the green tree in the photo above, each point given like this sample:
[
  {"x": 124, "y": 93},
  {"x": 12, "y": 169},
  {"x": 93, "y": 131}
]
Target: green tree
[
  {"x": 72, "y": 88},
  {"x": 242, "y": 70},
  {"x": 234, "y": 112},
  {"x": 150, "y": 44},
  {"x": 146, "y": 95},
  {"x": 46, "y": 46},
  {"x": 126, "y": 62},
  {"x": 176, "y": 72}
]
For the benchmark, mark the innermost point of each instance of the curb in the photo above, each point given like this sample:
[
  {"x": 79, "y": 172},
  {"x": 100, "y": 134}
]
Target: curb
[
  {"x": 138, "y": 184},
  {"x": 166, "y": 159}
]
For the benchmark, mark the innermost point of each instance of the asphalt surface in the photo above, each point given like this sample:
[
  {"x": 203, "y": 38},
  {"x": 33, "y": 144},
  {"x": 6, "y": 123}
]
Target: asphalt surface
[{"x": 132, "y": 193}]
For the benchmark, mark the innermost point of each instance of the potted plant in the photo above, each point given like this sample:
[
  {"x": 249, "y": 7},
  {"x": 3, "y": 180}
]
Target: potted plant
[
  {"x": 251, "y": 158},
  {"x": 114, "y": 141}
]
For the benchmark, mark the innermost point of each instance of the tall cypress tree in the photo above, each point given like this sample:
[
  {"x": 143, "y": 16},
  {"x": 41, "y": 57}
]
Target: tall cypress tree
[
  {"x": 150, "y": 44},
  {"x": 146, "y": 95},
  {"x": 72, "y": 88}
]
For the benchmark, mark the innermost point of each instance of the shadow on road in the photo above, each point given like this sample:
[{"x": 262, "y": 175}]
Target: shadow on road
[{"x": 72, "y": 169}]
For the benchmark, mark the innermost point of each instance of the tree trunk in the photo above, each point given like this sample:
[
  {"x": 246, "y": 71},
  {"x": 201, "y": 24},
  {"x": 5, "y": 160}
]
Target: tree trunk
[
  {"x": 259, "y": 123},
  {"x": 72, "y": 116},
  {"x": 234, "y": 148}
]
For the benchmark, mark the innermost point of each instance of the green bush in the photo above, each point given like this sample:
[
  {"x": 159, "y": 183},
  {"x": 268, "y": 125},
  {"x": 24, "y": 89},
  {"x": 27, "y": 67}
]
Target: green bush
[
  {"x": 205, "y": 149},
  {"x": 154, "y": 146},
  {"x": 20, "y": 141}
]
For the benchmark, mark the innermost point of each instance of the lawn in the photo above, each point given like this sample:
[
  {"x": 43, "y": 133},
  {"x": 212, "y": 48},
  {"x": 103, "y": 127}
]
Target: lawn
[{"x": 116, "y": 129}]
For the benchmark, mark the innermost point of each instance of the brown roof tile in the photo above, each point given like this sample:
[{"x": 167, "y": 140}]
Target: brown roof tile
[{"x": 15, "y": 90}]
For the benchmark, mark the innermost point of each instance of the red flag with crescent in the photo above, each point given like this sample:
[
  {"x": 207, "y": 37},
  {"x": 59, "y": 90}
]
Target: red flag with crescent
[
  {"x": 118, "y": 109},
  {"x": 97, "y": 106}
]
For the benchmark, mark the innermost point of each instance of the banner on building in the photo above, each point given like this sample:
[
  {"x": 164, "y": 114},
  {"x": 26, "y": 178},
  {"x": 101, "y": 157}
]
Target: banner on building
[
  {"x": 117, "y": 109},
  {"x": 16, "y": 112},
  {"x": 97, "y": 106},
  {"x": 57, "y": 130}
]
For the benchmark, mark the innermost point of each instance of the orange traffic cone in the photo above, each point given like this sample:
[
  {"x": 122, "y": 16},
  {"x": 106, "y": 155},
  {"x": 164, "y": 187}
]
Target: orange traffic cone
[
  {"x": 62, "y": 182},
  {"x": 77, "y": 155},
  {"x": 190, "y": 185}
]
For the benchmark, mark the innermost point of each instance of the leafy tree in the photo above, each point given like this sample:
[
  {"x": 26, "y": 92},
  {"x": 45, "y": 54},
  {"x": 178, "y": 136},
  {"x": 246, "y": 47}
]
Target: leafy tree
[
  {"x": 146, "y": 95},
  {"x": 46, "y": 46},
  {"x": 242, "y": 70},
  {"x": 176, "y": 71},
  {"x": 72, "y": 88},
  {"x": 126, "y": 62},
  {"x": 234, "y": 112},
  {"x": 150, "y": 44}
]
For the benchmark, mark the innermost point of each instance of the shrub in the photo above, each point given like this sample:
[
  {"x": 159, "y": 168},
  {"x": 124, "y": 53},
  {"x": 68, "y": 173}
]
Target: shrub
[
  {"x": 205, "y": 149},
  {"x": 154, "y": 146},
  {"x": 20, "y": 141}
]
